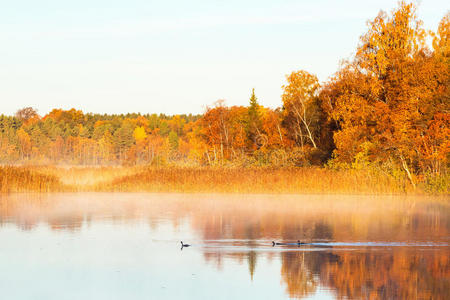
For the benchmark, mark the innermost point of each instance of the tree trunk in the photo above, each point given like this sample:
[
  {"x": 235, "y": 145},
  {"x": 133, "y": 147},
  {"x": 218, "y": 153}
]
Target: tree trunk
[{"x": 405, "y": 167}]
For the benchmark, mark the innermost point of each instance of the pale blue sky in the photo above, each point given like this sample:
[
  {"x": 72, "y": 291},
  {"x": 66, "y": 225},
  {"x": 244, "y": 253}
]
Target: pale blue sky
[{"x": 173, "y": 56}]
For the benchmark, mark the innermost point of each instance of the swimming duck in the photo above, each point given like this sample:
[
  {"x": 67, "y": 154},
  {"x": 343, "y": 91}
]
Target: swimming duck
[
  {"x": 184, "y": 245},
  {"x": 278, "y": 244},
  {"x": 303, "y": 243},
  {"x": 288, "y": 244}
]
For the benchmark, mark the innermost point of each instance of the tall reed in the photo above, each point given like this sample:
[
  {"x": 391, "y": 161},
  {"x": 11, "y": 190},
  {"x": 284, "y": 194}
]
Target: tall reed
[
  {"x": 257, "y": 180},
  {"x": 202, "y": 180},
  {"x": 26, "y": 179}
]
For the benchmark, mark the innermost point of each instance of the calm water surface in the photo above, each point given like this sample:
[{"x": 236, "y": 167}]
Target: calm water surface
[{"x": 127, "y": 246}]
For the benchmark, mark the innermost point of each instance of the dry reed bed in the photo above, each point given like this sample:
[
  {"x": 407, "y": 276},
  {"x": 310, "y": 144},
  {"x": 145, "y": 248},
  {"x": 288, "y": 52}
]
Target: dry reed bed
[
  {"x": 256, "y": 180},
  {"x": 85, "y": 177},
  {"x": 199, "y": 180},
  {"x": 25, "y": 179}
]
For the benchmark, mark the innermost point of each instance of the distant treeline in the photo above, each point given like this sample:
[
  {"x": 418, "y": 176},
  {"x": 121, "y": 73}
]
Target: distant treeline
[{"x": 386, "y": 109}]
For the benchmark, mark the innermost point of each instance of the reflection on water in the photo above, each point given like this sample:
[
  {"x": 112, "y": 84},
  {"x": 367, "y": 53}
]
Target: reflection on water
[{"x": 111, "y": 246}]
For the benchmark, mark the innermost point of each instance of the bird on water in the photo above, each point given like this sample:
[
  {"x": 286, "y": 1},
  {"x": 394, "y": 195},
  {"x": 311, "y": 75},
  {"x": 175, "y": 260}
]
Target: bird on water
[
  {"x": 184, "y": 245},
  {"x": 281, "y": 244},
  {"x": 277, "y": 244}
]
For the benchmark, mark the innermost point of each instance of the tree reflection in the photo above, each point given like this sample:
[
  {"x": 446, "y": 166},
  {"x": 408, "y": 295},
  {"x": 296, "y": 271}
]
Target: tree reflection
[
  {"x": 298, "y": 277},
  {"x": 373, "y": 275},
  {"x": 251, "y": 261}
]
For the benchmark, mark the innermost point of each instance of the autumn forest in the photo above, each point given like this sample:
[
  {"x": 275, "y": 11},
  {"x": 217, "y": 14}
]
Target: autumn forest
[{"x": 385, "y": 111}]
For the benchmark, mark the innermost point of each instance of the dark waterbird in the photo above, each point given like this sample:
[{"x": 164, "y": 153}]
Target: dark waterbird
[
  {"x": 288, "y": 244},
  {"x": 278, "y": 244},
  {"x": 184, "y": 245}
]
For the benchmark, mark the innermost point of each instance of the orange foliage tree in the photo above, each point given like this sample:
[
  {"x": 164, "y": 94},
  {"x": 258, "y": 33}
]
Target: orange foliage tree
[
  {"x": 301, "y": 107},
  {"x": 224, "y": 131},
  {"x": 385, "y": 98}
]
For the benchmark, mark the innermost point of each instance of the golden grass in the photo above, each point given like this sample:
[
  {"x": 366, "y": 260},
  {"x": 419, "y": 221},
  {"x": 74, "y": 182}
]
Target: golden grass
[
  {"x": 83, "y": 177},
  {"x": 24, "y": 179},
  {"x": 200, "y": 180},
  {"x": 256, "y": 180}
]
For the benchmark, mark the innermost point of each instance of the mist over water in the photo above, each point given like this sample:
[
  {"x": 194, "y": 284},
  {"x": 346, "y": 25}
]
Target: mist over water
[{"x": 127, "y": 246}]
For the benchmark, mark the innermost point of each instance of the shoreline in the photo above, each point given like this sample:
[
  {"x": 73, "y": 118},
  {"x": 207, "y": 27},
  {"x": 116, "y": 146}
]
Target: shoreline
[{"x": 205, "y": 180}]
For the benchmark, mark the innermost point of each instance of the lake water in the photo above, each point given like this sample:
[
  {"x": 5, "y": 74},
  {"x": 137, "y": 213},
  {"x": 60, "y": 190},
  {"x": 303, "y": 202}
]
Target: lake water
[{"x": 127, "y": 246}]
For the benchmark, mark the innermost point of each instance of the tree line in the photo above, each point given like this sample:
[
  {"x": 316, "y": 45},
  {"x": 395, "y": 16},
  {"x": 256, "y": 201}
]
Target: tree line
[{"x": 386, "y": 108}]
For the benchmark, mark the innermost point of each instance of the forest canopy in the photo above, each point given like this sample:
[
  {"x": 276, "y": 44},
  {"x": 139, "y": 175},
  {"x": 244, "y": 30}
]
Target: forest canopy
[{"x": 386, "y": 109}]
